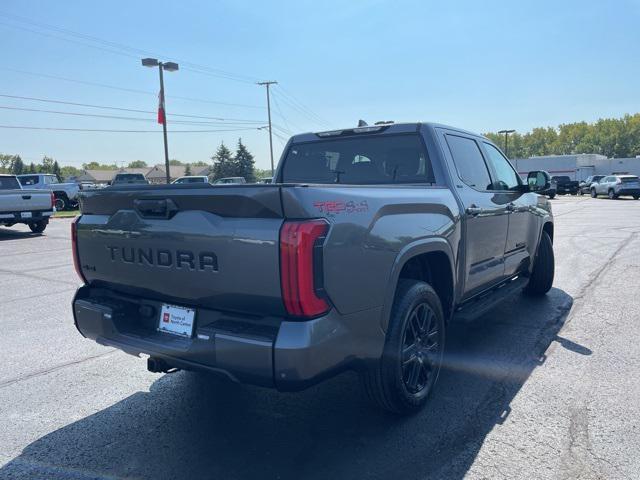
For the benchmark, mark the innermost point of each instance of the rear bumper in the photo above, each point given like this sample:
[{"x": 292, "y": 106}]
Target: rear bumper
[
  {"x": 628, "y": 191},
  {"x": 267, "y": 351},
  {"x": 16, "y": 217}
]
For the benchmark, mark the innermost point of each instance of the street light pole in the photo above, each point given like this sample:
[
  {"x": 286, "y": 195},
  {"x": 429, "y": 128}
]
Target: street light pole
[
  {"x": 506, "y": 140},
  {"x": 170, "y": 67},
  {"x": 267, "y": 84},
  {"x": 164, "y": 125}
]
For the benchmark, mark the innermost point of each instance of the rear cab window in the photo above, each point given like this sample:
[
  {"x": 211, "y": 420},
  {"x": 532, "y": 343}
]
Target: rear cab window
[
  {"x": 29, "y": 180},
  {"x": 359, "y": 160},
  {"x": 9, "y": 183}
]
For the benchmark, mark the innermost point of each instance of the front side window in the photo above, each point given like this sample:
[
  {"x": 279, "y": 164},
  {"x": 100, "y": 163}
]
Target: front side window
[
  {"x": 469, "y": 162},
  {"x": 359, "y": 160},
  {"x": 506, "y": 176}
]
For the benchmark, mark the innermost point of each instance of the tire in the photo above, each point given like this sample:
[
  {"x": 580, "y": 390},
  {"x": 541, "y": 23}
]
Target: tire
[
  {"x": 39, "y": 227},
  {"x": 593, "y": 193},
  {"x": 552, "y": 196},
  {"x": 636, "y": 197},
  {"x": 404, "y": 389},
  {"x": 580, "y": 192},
  {"x": 543, "y": 268},
  {"x": 611, "y": 194},
  {"x": 60, "y": 204}
]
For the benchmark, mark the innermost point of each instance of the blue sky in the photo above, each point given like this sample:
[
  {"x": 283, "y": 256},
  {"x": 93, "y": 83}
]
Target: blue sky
[{"x": 478, "y": 65}]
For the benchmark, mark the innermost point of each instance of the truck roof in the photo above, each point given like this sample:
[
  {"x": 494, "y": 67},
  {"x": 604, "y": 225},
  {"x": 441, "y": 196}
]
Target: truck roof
[{"x": 386, "y": 128}]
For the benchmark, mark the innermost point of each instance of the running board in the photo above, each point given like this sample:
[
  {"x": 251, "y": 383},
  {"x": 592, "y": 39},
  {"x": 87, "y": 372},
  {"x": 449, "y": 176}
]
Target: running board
[{"x": 474, "y": 308}]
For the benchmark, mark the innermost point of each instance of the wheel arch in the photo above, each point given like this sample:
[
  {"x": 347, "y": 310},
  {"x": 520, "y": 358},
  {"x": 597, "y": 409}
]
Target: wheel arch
[{"x": 431, "y": 261}]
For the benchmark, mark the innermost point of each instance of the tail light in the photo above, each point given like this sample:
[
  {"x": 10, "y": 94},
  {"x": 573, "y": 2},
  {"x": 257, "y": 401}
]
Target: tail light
[
  {"x": 74, "y": 249},
  {"x": 300, "y": 244},
  {"x": 53, "y": 201}
]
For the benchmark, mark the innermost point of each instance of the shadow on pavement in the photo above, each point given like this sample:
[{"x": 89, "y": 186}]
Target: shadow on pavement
[
  {"x": 7, "y": 234},
  {"x": 194, "y": 426}
]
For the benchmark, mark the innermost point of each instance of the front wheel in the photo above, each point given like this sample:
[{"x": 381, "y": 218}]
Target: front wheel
[
  {"x": 612, "y": 195},
  {"x": 593, "y": 193},
  {"x": 39, "y": 227},
  {"x": 543, "y": 268},
  {"x": 405, "y": 375},
  {"x": 636, "y": 197}
]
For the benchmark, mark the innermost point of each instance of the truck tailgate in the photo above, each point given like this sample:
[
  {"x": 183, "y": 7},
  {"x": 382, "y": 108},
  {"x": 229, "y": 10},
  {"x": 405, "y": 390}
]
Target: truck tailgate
[
  {"x": 24, "y": 200},
  {"x": 215, "y": 247}
]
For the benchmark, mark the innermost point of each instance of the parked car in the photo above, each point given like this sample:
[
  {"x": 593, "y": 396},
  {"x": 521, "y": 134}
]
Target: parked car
[
  {"x": 565, "y": 185},
  {"x": 129, "y": 179},
  {"x": 229, "y": 180},
  {"x": 369, "y": 243},
  {"x": 32, "y": 207},
  {"x": 615, "y": 186},
  {"x": 66, "y": 194},
  {"x": 191, "y": 179},
  {"x": 265, "y": 180},
  {"x": 585, "y": 186}
]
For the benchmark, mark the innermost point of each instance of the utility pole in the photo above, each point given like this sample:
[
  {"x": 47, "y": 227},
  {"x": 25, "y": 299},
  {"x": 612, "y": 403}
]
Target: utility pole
[
  {"x": 162, "y": 113},
  {"x": 267, "y": 84},
  {"x": 506, "y": 141}
]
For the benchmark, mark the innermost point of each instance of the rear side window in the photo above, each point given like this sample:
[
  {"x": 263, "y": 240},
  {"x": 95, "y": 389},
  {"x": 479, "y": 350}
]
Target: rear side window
[
  {"x": 9, "y": 183},
  {"x": 629, "y": 179},
  {"x": 29, "y": 180},
  {"x": 469, "y": 162},
  {"x": 361, "y": 160}
]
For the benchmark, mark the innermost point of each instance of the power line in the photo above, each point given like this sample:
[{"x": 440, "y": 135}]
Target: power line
[
  {"x": 299, "y": 109},
  {"x": 116, "y": 117},
  {"x": 76, "y": 104},
  {"x": 288, "y": 97},
  {"x": 121, "y": 49},
  {"x": 131, "y": 90},
  {"x": 29, "y": 127}
]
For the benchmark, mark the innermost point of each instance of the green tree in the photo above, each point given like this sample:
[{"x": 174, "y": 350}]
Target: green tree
[
  {"x": 244, "y": 163},
  {"x": 138, "y": 164},
  {"x": 175, "y": 162},
  {"x": 56, "y": 170},
  {"x": 69, "y": 171},
  {"x": 32, "y": 168},
  {"x": 17, "y": 166},
  {"x": 199, "y": 163},
  {"x": 5, "y": 162},
  {"x": 223, "y": 164},
  {"x": 47, "y": 165},
  {"x": 99, "y": 166}
]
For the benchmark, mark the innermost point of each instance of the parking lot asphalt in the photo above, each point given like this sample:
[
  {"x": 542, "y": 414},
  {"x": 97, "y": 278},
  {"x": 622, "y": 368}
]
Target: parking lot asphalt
[{"x": 537, "y": 388}]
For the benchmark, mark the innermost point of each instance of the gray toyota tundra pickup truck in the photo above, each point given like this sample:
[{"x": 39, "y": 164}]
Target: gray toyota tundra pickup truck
[{"x": 368, "y": 244}]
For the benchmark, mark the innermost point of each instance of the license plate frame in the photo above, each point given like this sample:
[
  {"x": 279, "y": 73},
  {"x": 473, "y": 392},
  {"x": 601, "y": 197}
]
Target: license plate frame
[
  {"x": 26, "y": 215},
  {"x": 177, "y": 320}
]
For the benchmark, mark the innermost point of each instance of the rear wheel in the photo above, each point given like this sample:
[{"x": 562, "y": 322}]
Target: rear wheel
[
  {"x": 543, "y": 268},
  {"x": 405, "y": 375},
  {"x": 593, "y": 193},
  {"x": 636, "y": 197},
  {"x": 39, "y": 227},
  {"x": 552, "y": 196},
  {"x": 60, "y": 203}
]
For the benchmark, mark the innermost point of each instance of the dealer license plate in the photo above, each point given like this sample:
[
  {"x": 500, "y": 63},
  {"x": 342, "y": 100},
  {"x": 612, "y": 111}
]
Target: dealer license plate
[{"x": 176, "y": 320}]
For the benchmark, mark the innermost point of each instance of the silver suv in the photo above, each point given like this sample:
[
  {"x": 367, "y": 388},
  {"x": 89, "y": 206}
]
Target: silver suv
[{"x": 616, "y": 185}]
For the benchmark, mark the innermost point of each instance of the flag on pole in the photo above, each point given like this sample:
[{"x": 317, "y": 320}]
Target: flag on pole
[{"x": 161, "y": 117}]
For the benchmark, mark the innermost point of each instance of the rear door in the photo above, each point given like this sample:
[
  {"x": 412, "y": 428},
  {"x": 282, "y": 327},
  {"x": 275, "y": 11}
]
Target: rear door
[{"x": 484, "y": 212}]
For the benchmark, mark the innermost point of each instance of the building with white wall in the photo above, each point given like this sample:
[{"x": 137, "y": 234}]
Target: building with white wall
[{"x": 579, "y": 166}]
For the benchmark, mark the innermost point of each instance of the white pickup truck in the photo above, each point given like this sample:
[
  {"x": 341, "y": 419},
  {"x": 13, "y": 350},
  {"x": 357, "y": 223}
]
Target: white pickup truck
[{"x": 17, "y": 205}]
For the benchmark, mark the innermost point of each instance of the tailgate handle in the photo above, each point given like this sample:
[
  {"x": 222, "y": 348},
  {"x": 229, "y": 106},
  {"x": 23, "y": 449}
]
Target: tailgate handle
[
  {"x": 161, "y": 208},
  {"x": 26, "y": 197}
]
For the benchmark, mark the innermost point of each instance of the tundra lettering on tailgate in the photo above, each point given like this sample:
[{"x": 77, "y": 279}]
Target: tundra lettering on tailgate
[{"x": 164, "y": 258}]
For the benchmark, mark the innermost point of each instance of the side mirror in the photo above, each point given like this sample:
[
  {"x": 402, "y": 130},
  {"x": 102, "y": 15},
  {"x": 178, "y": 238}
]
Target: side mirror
[{"x": 538, "y": 181}]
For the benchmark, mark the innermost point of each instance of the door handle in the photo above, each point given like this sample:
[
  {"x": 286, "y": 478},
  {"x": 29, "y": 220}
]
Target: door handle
[{"x": 473, "y": 210}]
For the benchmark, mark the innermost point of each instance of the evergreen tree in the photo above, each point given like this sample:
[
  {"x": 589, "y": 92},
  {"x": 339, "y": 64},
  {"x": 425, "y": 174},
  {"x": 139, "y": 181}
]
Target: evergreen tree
[
  {"x": 32, "y": 168},
  {"x": 56, "y": 170},
  {"x": 47, "y": 165},
  {"x": 223, "y": 164},
  {"x": 187, "y": 170},
  {"x": 244, "y": 163},
  {"x": 17, "y": 166}
]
